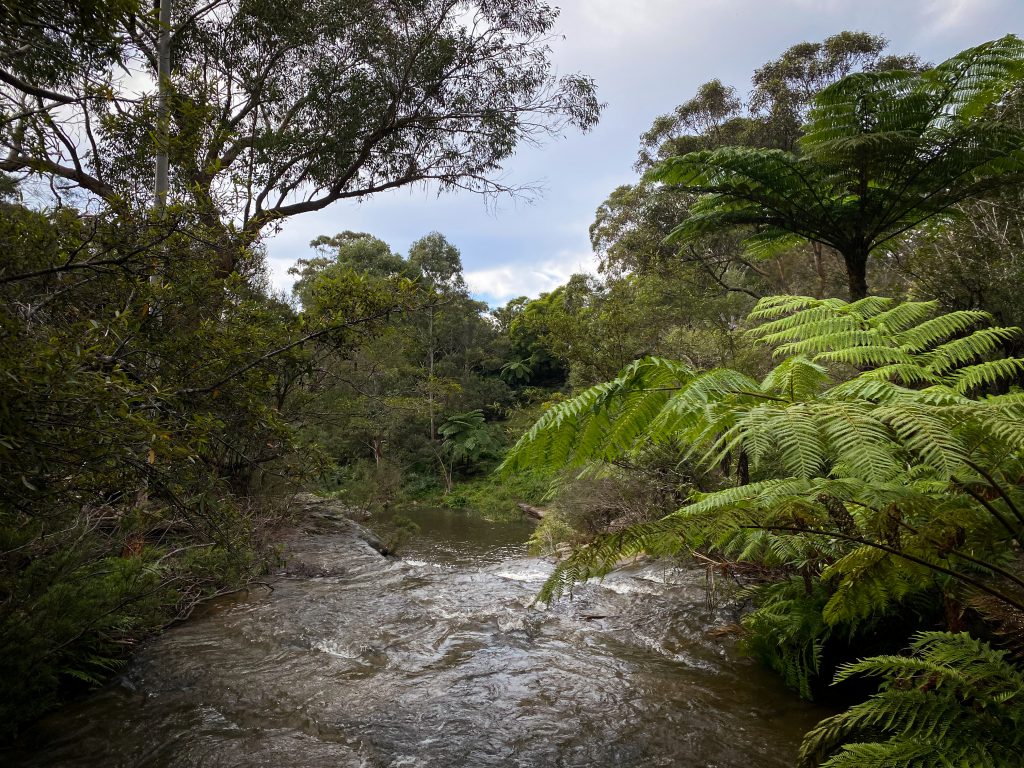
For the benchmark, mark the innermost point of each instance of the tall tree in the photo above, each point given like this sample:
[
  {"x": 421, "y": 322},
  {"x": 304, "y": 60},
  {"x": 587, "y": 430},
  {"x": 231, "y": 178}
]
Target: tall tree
[
  {"x": 882, "y": 153},
  {"x": 47, "y": 44},
  {"x": 629, "y": 229},
  {"x": 440, "y": 265},
  {"x": 279, "y": 108},
  {"x": 347, "y": 251},
  {"x": 785, "y": 88}
]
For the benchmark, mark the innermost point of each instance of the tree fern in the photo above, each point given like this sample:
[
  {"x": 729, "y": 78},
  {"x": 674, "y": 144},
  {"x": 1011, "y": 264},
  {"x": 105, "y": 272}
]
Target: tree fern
[
  {"x": 802, "y": 412},
  {"x": 881, "y": 480},
  {"x": 881, "y": 153},
  {"x": 954, "y": 702}
]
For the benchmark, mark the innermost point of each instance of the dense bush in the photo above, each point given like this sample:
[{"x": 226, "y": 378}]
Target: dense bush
[{"x": 876, "y": 473}]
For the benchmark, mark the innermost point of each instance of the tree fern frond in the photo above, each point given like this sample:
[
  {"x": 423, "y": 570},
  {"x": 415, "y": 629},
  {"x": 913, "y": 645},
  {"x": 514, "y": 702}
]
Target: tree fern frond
[
  {"x": 955, "y": 702},
  {"x": 601, "y": 422},
  {"x": 771, "y": 307},
  {"x": 796, "y": 378},
  {"x": 971, "y": 81},
  {"x": 769, "y": 243},
  {"x": 956, "y": 353},
  {"x": 925, "y": 433},
  {"x": 928, "y": 334},
  {"x": 905, "y": 315},
  {"x": 600, "y": 557},
  {"x": 848, "y": 337},
  {"x": 908, "y": 374},
  {"x": 866, "y": 356},
  {"x": 992, "y": 373}
]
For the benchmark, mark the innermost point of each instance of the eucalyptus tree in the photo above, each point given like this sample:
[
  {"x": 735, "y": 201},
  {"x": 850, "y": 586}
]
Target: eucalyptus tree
[
  {"x": 784, "y": 89},
  {"x": 439, "y": 263},
  {"x": 47, "y": 44},
  {"x": 280, "y": 108},
  {"x": 781, "y": 95},
  {"x": 358, "y": 252},
  {"x": 882, "y": 152}
]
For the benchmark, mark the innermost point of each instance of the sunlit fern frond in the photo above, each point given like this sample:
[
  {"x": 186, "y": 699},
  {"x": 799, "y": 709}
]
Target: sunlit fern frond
[
  {"x": 907, "y": 314},
  {"x": 601, "y": 556},
  {"x": 929, "y": 333},
  {"x": 796, "y": 378},
  {"x": 601, "y": 422},
  {"x": 990, "y": 373}
]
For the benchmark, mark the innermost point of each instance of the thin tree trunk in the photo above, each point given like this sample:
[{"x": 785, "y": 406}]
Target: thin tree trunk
[
  {"x": 430, "y": 376},
  {"x": 819, "y": 267},
  {"x": 163, "y": 76}
]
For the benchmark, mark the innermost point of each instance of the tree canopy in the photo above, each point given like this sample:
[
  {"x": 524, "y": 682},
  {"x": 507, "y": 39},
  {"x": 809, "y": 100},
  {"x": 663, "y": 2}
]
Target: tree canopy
[
  {"x": 283, "y": 108},
  {"x": 882, "y": 152}
]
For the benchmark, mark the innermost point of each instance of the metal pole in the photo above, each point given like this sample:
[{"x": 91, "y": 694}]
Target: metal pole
[{"x": 163, "y": 72}]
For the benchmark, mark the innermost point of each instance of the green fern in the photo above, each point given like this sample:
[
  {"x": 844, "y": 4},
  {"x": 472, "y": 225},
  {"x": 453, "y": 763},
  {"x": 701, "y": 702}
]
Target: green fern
[
  {"x": 884, "y": 482},
  {"x": 954, "y": 702},
  {"x": 909, "y": 402},
  {"x": 786, "y": 632},
  {"x": 881, "y": 153}
]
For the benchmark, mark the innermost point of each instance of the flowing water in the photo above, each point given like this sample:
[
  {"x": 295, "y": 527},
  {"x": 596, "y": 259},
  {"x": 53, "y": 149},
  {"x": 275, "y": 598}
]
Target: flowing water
[{"x": 437, "y": 659}]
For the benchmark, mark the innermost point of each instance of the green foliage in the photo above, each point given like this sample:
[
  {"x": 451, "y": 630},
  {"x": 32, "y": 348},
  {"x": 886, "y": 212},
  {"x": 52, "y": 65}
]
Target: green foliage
[
  {"x": 527, "y": 325},
  {"x": 439, "y": 262},
  {"x": 579, "y": 430},
  {"x": 972, "y": 259},
  {"x": 346, "y": 253},
  {"x": 876, "y": 466},
  {"x": 384, "y": 400},
  {"x": 52, "y": 41},
  {"x": 551, "y": 533},
  {"x": 466, "y": 438},
  {"x": 733, "y": 266},
  {"x": 138, "y": 418},
  {"x": 397, "y": 531},
  {"x": 799, "y": 415},
  {"x": 881, "y": 153},
  {"x": 496, "y": 498},
  {"x": 954, "y": 702},
  {"x": 516, "y": 371},
  {"x": 787, "y": 633},
  {"x": 266, "y": 125}
]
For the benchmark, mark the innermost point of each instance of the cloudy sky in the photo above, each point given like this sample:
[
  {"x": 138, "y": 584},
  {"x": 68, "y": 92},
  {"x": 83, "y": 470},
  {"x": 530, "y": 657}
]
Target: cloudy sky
[{"x": 647, "y": 56}]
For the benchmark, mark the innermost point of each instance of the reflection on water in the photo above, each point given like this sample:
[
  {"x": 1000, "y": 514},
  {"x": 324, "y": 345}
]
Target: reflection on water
[{"x": 438, "y": 659}]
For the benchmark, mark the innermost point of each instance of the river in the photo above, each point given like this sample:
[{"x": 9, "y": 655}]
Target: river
[{"x": 437, "y": 658}]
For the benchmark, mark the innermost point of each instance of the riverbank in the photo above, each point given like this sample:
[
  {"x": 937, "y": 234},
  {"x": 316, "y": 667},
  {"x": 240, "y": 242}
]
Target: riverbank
[{"x": 436, "y": 658}]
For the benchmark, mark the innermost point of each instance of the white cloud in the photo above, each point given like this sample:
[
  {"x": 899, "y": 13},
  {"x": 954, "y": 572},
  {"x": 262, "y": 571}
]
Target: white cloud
[
  {"x": 953, "y": 14},
  {"x": 501, "y": 283},
  {"x": 493, "y": 284},
  {"x": 279, "y": 277}
]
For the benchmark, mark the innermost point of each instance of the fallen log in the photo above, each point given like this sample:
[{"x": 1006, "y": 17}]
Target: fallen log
[{"x": 534, "y": 512}]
